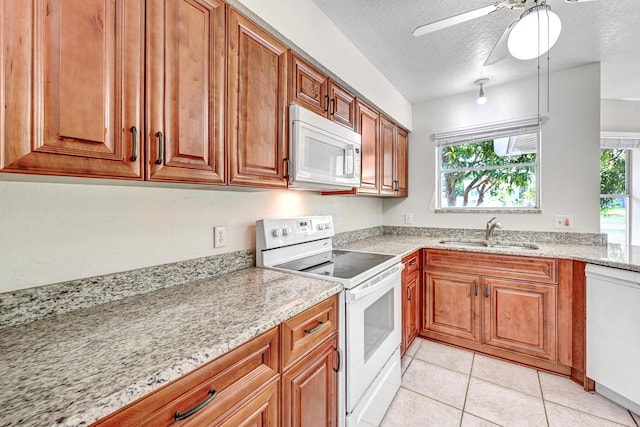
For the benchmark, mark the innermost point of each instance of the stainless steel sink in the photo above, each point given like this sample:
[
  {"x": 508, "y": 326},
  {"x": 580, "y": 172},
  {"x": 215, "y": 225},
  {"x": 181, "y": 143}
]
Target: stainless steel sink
[{"x": 487, "y": 244}]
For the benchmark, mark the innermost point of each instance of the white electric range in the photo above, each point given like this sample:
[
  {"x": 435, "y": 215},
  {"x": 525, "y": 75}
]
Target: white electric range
[{"x": 370, "y": 316}]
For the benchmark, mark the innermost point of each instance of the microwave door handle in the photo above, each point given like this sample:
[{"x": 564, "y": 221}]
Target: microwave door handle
[{"x": 349, "y": 160}]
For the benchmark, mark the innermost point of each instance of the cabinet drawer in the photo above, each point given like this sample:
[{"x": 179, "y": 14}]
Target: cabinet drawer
[
  {"x": 411, "y": 263},
  {"x": 235, "y": 375},
  {"x": 309, "y": 328},
  {"x": 536, "y": 269}
]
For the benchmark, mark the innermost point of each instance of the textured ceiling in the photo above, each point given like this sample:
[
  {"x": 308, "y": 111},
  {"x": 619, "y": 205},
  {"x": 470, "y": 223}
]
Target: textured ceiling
[{"x": 448, "y": 61}]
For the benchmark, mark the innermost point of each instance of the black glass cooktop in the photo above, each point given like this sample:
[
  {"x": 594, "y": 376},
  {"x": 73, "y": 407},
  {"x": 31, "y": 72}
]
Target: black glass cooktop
[{"x": 336, "y": 263}]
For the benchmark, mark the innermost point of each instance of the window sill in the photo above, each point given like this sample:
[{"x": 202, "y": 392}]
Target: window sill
[{"x": 490, "y": 210}]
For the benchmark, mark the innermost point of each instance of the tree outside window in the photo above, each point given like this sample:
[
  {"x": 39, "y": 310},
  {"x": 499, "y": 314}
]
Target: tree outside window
[{"x": 495, "y": 173}]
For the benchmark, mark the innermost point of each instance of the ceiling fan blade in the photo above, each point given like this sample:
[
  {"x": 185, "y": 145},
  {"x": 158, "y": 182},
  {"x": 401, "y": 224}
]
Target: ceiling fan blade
[
  {"x": 456, "y": 19},
  {"x": 500, "y": 50}
]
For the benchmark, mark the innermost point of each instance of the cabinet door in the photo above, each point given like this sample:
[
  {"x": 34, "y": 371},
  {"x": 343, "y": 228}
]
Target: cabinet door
[
  {"x": 402, "y": 163},
  {"x": 308, "y": 86},
  {"x": 520, "y": 316},
  {"x": 72, "y": 87},
  {"x": 342, "y": 108},
  {"x": 368, "y": 126},
  {"x": 387, "y": 156},
  {"x": 452, "y": 306},
  {"x": 257, "y": 97},
  {"x": 410, "y": 309},
  {"x": 309, "y": 389},
  {"x": 185, "y": 91}
]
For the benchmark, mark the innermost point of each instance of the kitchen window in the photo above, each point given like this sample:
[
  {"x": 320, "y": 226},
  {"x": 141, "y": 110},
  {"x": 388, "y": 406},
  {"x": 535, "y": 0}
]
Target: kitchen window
[{"x": 488, "y": 167}]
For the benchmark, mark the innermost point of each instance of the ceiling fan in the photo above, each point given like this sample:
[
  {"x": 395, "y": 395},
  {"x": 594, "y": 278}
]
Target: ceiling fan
[{"x": 517, "y": 38}]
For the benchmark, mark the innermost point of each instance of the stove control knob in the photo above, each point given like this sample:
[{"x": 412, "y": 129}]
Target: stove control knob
[
  {"x": 277, "y": 232},
  {"x": 328, "y": 226},
  {"x": 286, "y": 231},
  {"x": 321, "y": 226}
]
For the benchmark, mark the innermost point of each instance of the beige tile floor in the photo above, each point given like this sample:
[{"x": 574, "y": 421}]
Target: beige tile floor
[{"x": 446, "y": 386}]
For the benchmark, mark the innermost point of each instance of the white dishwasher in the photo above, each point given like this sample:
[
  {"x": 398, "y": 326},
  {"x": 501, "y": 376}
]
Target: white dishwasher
[{"x": 613, "y": 334}]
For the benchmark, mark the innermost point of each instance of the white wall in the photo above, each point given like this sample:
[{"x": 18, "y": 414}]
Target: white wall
[
  {"x": 56, "y": 232},
  {"x": 570, "y": 151},
  {"x": 302, "y": 22}
]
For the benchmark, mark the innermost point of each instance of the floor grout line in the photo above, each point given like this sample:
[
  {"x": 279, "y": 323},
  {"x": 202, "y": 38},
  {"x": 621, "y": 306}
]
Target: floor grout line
[
  {"x": 544, "y": 403},
  {"x": 466, "y": 393}
]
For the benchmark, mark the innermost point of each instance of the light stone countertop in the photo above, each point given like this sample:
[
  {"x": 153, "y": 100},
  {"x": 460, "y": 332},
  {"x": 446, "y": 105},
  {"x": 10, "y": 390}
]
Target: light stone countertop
[
  {"x": 76, "y": 367},
  {"x": 612, "y": 255}
]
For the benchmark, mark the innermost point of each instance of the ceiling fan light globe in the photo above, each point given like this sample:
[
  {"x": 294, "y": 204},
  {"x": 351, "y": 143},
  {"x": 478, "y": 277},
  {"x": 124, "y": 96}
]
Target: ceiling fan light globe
[
  {"x": 482, "y": 100},
  {"x": 535, "y": 33}
]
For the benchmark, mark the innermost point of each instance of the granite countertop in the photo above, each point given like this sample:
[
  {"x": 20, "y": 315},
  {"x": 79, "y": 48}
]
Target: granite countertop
[
  {"x": 611, "y": 255},
  {"x": 76, "y": 367}
]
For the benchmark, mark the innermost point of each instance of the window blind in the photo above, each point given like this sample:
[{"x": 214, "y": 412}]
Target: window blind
[
  {"x": 502, "y": 129},
  {"x": 628, "y": 140}
]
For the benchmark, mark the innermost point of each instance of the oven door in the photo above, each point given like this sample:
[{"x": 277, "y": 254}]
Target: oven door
[{"x": 373, "y": 330}]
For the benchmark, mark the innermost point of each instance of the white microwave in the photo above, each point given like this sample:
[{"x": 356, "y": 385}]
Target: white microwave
[{"x": 323, "y": 154}]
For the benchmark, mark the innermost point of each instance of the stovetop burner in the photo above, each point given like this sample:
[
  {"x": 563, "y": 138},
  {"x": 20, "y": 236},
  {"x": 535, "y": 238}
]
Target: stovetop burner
[{"x": 337, "y": 263}]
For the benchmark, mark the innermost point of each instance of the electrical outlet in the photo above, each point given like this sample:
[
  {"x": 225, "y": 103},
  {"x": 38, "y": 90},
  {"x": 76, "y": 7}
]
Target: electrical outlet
[
  {"x": 219, "y": 236},
  {"x": 408, "y": 218},
  {"x": 563, "y": 221}
]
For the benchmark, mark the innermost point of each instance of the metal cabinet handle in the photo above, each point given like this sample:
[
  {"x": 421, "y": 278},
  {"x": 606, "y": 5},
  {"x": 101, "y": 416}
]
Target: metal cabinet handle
[
  {"x": 486, "y": 291},
  {"x": 476, "y": 283},
  {"x": 339, "y": 353},
  {"x": 413, "y": 263},
  {"x": 396, "y": 185},
  {"x": 333, "y": 106},
  {"x": 410, "y": 293},
  {"x": 160, "y": 147},
  {"x": 134, "y": 143},
  {"x": 326, "y": 108},
  {"x": 312, "y": 330},
  {"x": 178, "y": 416},
  {"x": 286, "y": 163}
]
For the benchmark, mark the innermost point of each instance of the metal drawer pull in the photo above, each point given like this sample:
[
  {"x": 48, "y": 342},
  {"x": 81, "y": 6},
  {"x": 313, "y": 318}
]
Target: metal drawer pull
[
  {"x": 160, "y": 147},
  {"x": 337, "y": 350},
  {"x": 410, "y": 293},
  {"x": 312, "y": 330},
  {"x": 134, "y": 144},
  {"x": 178, "y": 416},
  {"x": 413, "y": 263},
  {"x": 476, "y": 288},
  {"x": 486, "y": 291}
]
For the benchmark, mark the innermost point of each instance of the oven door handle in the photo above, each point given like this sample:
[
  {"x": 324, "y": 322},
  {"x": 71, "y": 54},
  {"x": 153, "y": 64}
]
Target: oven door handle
[{"x": 386, "y": 280}]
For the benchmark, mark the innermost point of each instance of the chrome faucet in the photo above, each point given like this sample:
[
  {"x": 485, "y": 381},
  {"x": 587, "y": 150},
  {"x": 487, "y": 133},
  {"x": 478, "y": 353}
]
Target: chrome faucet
[{"x": 491, "y": 228}]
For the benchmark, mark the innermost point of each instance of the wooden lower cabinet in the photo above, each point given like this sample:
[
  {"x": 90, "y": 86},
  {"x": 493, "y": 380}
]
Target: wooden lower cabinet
[
  {"x": 309, "y": 389},
  {"x": 252, "y": 385},
  {"x": 410, "y": 300},
  {"x": 451, "y": 305},
  {"x": 520, "y": 317},
  {"x": 465, "y": 303},
  {"x": 246, "y": 377}
]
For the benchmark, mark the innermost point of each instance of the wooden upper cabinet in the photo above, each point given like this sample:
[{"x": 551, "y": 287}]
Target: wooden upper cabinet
[
  {"x": 185, "y": 90},
  {"x": 72, "y": 87},
  {"x": 402, "y": 163},
  {"x": 314, "y": 90},
  {"x": 257, "y": 101},
  {"x": 308, "y": 86},
  {"x": 394, "y": 156},
  {"x": 342, "y": 106},
  {"x": 368, "y": 126},
  {"x": 387, "y": 156}
]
